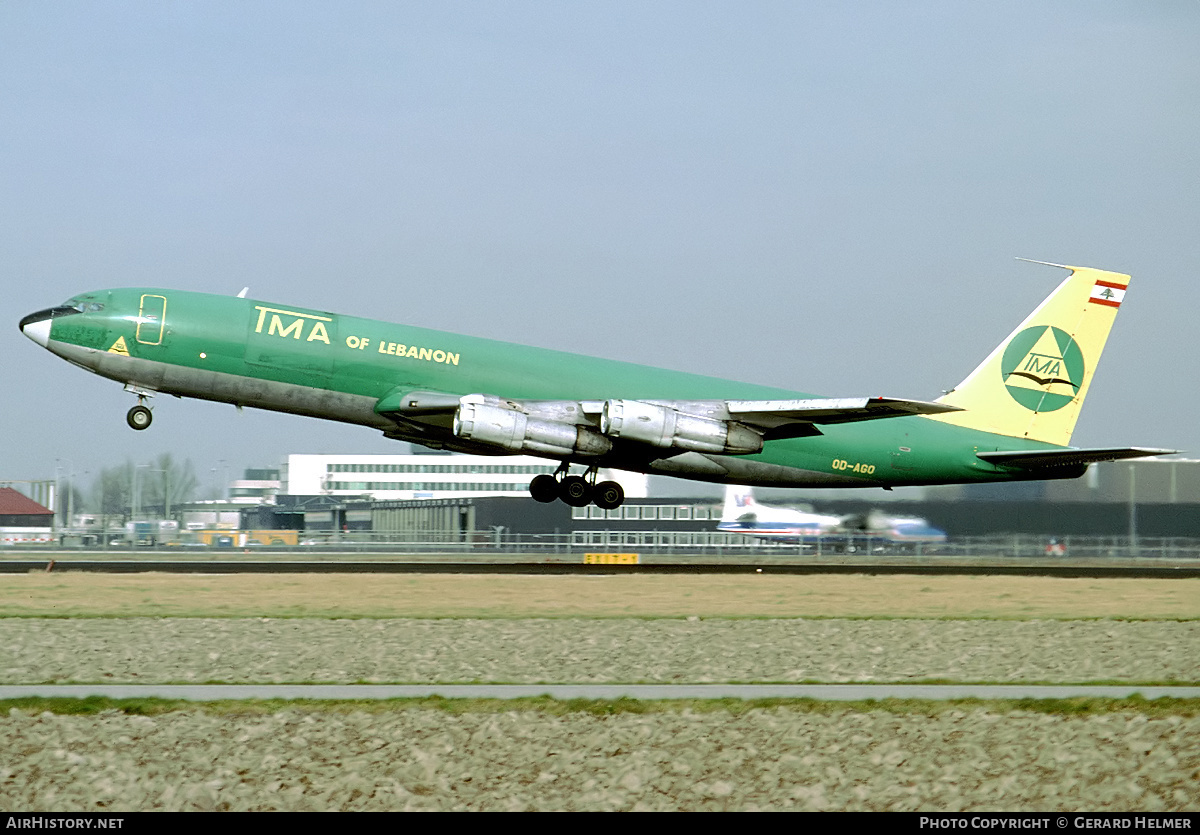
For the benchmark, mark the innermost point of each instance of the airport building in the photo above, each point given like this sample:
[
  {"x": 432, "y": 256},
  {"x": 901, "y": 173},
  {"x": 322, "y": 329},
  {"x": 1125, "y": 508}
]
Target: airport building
[
  {"x": 426, "y": 501},
  {"x": 498, "y": 520},
  {"x": 1143, "y": 497},
  {"x": 479, "y": 498},
  {"x": 1139, "y": 481},
  {"x": 22, "y": 520},
  {"x": 399, "y": 477},
  {"x": 257, "y": 484}
]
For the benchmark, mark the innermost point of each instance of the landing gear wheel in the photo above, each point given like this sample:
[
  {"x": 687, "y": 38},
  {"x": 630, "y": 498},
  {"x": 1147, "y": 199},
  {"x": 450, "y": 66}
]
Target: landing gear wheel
[
  {"x": 608, "y": 495},
  {"x": 575, "y": 491},
  {"x": 544, "y": 488},
  {"x": 138, "y": 417}
]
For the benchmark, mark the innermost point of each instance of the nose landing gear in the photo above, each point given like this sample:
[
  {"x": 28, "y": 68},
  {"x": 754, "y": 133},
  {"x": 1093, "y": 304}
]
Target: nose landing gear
[
  {"x": 139, "y": 417},
  {"x": 575, "y": 490}
]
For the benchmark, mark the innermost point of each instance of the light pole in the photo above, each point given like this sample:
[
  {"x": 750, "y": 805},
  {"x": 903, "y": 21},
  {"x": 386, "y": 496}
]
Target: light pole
[
  {"x": 137, "y": 496},
  {"x": 1133, "y": 533},
  {"x": 222, "y": 467},
  {"x": 54, "y": 503},
  {"x": 70, "y": 490},
  {"x": 137, "y": 491}
]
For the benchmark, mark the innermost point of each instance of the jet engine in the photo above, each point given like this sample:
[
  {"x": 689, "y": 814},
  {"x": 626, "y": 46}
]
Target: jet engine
[
  {"x": 518, "y": 431},
  {"x": 663, "y": 426}
]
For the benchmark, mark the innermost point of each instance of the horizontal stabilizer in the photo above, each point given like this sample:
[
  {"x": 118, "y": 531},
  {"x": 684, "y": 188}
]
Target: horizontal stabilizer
[{"x": 1037, "y": 459}]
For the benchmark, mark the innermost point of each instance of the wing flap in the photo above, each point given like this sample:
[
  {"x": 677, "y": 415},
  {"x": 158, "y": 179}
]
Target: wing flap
[{"x": 1041, "y": 459}]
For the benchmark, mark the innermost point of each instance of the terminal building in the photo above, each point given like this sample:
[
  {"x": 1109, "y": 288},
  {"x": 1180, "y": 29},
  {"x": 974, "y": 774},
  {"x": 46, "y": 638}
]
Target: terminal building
[{"x": 399, "y": 477}]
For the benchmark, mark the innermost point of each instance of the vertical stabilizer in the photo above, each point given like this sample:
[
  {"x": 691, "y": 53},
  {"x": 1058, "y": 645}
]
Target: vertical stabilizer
[
  {"x": 1033, "y": 384},
  {"x": 739, "y": 500}
]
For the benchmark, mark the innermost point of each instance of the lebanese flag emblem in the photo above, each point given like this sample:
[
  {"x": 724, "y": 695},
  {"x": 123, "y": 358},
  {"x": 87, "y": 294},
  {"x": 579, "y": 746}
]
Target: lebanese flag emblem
[{"x": 1107, "y": 293}]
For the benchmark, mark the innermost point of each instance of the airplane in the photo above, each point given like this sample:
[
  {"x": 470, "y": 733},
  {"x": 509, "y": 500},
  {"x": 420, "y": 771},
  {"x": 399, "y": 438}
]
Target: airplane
[
  {"x": 743, "y": 514},
  {"x": 1011, "y": 419},
  {"x": 896, "y": 530}
]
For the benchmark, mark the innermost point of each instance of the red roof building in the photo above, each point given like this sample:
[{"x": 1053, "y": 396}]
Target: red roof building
[{"x": 20, "y": 511}]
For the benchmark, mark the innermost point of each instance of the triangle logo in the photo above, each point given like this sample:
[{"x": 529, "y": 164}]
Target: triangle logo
[
  {"x": 1043, "y": 368},
  {"x": 119, "y": 347}
]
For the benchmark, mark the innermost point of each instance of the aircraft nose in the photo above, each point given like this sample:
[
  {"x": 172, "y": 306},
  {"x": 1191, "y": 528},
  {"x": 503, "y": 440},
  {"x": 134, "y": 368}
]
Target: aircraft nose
[{"x": 37, "y": 325}]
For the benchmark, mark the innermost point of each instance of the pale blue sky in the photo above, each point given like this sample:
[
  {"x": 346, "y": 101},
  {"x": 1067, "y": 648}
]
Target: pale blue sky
[{"x": 822, "y": 196}]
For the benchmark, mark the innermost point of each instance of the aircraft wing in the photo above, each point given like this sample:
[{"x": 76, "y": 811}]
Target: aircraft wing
[
  {"x": 1039, "y": 459},
  {"x": 590, "y": 427}
]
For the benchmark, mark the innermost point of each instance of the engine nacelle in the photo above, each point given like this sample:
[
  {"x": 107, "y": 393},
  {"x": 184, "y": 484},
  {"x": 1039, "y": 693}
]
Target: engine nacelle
[
  {"x": 519, "y": 432},
  {"x": 662, "y": 426}
]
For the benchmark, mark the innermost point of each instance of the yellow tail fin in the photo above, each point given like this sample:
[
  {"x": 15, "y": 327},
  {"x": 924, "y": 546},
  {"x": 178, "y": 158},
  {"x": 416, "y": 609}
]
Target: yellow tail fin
[{"x": 1033, "y": 384}]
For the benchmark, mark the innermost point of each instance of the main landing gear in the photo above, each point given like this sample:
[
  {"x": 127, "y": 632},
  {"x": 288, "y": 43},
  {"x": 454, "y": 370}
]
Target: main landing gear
[{"x": 577, "y": 491}]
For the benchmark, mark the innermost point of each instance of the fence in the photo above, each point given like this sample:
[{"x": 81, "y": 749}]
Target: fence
[{"x": 698, "y": 544}]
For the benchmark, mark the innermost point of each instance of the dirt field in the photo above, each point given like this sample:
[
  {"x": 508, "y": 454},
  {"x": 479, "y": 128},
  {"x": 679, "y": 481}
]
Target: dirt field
[
  {"x": 650, "y": 628},
  {"x": 427, "y": 759},
  {"x": 594, "y": 650},
  {"x": 81, "y": 594}
]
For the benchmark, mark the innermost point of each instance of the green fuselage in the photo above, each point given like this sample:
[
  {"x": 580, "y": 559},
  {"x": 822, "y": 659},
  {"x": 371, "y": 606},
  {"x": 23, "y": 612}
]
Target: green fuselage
[{"x": 325, "y": 365}]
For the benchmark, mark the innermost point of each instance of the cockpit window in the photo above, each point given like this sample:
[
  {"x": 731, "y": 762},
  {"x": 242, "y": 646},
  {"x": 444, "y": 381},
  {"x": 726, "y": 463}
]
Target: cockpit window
[{"x": 82, "y": 305}]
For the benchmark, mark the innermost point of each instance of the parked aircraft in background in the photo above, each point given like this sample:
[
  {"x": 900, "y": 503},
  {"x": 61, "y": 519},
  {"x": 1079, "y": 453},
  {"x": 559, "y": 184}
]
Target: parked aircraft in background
[
  {"x": 896, "y": 530},
  {"x": 1010, "y": 420},
  {"x": 743, "y": 514}
]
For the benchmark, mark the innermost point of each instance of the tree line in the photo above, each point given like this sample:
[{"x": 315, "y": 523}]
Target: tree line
[{"x": 150, "y": 490}]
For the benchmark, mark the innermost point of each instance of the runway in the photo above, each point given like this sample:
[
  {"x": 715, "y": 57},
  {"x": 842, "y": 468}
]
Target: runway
[{"x": 821, "y": 692}]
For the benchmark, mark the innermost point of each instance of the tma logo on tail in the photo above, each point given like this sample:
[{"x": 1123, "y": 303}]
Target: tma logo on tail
[{"x": 1043, "y": 368}]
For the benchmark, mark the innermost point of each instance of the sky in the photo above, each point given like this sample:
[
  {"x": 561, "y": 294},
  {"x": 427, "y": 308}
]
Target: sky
[{"x": 828, "y": 197}]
